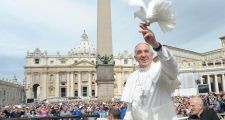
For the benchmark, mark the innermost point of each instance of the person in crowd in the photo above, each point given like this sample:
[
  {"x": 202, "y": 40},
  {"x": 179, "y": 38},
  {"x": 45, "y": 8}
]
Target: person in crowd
[
  {"x": 148, "y": 90},
  {"x": 198, "y": 112},
  {"x": 55, "y": 110},
  {"x": 16, "y": 112},
  {"x": 65, "y": 111},
  {"x": 6, "y": 111},
  {"x": 33, "y": 113},
  {"x": 43, "y": 111},
  {"x": 114, "y": 114},
  {"x": 123, "y": 110},
  {"x": 217, "y": 103},
  {"x": 77, "y": 112},
  {"x": 102, "y": 111},
  {"x": 222, "y": 103}
]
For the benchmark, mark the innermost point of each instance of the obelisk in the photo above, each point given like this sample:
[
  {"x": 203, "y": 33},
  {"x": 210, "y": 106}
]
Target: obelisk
[{"x": 104, "y": 59}]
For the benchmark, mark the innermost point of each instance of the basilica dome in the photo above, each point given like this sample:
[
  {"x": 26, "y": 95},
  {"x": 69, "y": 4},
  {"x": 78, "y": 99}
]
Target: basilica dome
[{"x": 84, "y": 48}]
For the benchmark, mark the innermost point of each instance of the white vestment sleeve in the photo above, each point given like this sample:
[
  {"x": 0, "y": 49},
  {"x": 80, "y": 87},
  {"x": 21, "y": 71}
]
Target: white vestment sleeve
[
  {"x": 169, "y": 69},
  {"x": 169, "y": 65},
  {"x": 129, "y": 88}
]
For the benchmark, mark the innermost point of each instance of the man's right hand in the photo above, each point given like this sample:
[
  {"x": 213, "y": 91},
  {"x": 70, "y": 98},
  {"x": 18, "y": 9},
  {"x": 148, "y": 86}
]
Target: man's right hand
[{"x": 148, "y": 35}]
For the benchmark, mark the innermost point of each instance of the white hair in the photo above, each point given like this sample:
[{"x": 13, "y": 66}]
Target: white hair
[
  {"x": 197, "y": 100},
  {"x": 149, "y": 47}
]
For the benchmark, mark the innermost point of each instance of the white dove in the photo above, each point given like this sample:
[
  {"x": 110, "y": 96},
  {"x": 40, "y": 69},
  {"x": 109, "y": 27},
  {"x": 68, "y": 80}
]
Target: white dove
[{"x": 157, "y": 11}]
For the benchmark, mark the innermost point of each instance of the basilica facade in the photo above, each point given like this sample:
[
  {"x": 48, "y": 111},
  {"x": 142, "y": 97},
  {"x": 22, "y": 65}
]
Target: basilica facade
[
  {"x": 71, "y": 75},
  {"x": 74, "y": 74}
]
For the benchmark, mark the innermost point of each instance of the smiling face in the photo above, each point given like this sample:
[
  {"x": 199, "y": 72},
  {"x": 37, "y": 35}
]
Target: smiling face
[{"x": 143, "y": 55}]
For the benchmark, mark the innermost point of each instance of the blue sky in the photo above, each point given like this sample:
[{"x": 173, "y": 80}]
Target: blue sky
[{"x": 56, "y": 25}]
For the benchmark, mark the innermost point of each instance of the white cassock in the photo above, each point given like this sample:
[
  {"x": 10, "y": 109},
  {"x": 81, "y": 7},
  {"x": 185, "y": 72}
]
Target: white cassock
[{"x": 148, "y": 91}]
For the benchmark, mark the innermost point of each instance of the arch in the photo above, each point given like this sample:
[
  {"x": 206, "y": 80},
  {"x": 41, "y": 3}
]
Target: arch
[{"x": 36, "y": 90}]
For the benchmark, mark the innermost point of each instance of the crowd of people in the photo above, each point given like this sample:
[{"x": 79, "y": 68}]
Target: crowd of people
[
  {"x": 101, "y": 109},
  {"x": 211, "y": 101},
  {"x": 65, "y": 108}
]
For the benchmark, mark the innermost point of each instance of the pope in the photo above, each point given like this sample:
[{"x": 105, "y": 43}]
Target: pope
[{"x": 148, "y": 89}]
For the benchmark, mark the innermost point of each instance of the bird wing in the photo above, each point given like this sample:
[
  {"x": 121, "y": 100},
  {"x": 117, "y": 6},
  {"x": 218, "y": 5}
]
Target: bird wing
[
  {"x": 161, "y": 11},
  {"x": 141, "y": 13}
]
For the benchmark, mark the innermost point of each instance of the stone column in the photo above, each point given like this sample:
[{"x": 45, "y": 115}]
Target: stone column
[
  {"x": 68, "y": 84},
  {"x": 89, "y": 84},
  {"x": 118, "y": 83},
  {"x": 209, "y": 83},
  {"x": 57, "y": 85},
  {"x": 96, "y": 90},
  {"x": 216, "y": 84},
  {"x": 223, "y": 82},
  {"x": 45, "y": 87},
  {"x": 79, "y": 84},
  {"x": 72, "y": 84},
  {"x": 201, "y": 80},
  {"x": 29, "y": 92},
  {"x": 124, "y": 79},
  {"x": 105, "y": 61},
  {"x": 104, "y": 30},
  {"x": 96, "y": 87}
]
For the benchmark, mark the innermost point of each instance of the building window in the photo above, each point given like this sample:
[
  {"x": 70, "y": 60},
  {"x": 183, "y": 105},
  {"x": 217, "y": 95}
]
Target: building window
[
  {"x": 63, "y": 92},
  {"x": 51, "y": 62},
  {"x": 93, "y": 76},
  {"x": 63, "y": 62},
  {"x": 203, "y": 63},
  {"x": 4, "y": 95},
  {"x": 84, "y": 91},
  {"x": 75, "y": 77},
  {"x": 51, "y": 78},
  {"x": 75, "y": 93},
  {"x": 75, "y": 61},
  {"x": 63, "y": 83},
  {"x": 93, "y": 93},
  {"x": 36, "y": 61},
  {"x": 36, "y": 76},
  {"x": 125, "y": 61},
  {"x": 84, "y": 76},
  {"x": 189, "y": 64},
  {"x": 210, "y": 63},
  {"x": 62, "y": 76}
]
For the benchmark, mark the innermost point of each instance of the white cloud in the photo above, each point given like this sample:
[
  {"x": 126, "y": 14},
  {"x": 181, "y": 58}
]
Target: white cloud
[
  {"x": 57, "y": 14},
  {"x": 43, "y": 23}
]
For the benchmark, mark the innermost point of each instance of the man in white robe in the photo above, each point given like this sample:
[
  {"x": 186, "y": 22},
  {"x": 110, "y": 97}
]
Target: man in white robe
[{"x": 148, "y": 90}]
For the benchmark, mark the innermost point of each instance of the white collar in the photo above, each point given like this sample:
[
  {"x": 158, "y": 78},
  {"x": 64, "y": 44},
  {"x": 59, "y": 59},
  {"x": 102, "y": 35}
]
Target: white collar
[{"x": 144, "y": 69}]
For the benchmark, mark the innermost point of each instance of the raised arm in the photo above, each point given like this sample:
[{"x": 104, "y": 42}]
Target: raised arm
[{"x": 169, "y": 65}]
